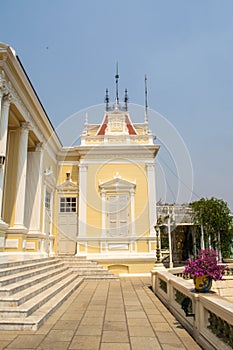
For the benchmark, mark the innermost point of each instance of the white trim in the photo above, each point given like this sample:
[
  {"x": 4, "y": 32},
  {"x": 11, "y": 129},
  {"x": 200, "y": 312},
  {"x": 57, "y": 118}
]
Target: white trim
[{"x": 132, "y": 212}]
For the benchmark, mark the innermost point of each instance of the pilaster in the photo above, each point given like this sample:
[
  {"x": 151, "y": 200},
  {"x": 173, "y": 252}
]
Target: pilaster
[
  {"x": 151, "y": 196},
  {"x": 103, "y": 198},
  {"x": 82, "y": 200},
  {"x": 132, "y": 209}
]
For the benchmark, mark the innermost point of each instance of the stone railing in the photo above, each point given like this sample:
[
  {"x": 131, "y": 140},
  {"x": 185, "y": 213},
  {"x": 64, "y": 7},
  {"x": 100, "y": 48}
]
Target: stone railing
[
  {"x": 178, "y": 271},
  {"x": 207, "y": 316}
]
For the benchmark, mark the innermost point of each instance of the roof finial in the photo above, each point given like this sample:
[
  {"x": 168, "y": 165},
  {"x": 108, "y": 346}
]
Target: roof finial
[
  {"x": 146, "y": 102},
  {"x": 126, "y": 100},
  {"x": 117, "y": 77},
  {"x": 107, "y": 100}
]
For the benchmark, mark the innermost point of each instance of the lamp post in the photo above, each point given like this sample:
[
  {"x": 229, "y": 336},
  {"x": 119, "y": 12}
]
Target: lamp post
[
  {"x": 158, "y": 256},
  {"x": 158, "y": 263}
]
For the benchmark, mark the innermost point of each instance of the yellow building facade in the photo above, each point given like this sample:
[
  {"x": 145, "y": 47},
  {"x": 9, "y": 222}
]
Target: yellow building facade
[{"x": 96, "y": 199}]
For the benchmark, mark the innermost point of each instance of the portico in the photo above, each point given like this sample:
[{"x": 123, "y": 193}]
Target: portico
[{"x": 24, "y": 153}]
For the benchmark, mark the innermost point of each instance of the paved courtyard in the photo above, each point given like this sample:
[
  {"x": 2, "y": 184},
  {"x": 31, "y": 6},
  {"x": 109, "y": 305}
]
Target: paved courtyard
[{"x": 106, "y": 315}]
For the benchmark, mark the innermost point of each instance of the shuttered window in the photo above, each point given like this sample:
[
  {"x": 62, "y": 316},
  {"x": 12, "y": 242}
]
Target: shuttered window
[{"x": 118, "y": 214}]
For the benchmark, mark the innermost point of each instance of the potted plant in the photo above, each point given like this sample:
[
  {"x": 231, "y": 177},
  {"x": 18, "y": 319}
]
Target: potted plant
[{"x": 204, "y": 269}]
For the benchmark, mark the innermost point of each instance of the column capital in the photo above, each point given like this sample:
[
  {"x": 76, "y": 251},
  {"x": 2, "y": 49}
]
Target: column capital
[
  {"x": 150, "y": 166},
  {"x": 83, "y": 167},
  {"x": 3, "y": 84},
  {"x": 25, "y": 126},
  {"x": 39, "y": 147},
  {"x": 6, "y": 100}
]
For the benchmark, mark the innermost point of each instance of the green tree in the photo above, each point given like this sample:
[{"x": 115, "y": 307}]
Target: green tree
[{"x": 215, "y": 217}]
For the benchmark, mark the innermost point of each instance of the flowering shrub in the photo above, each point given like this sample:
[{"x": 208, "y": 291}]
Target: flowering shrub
[{"x": 205, "y": 264}]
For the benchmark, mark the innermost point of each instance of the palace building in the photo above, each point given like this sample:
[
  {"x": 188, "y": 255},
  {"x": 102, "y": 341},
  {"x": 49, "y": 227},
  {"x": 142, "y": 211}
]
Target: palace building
[{"x": 96, "y": 199}]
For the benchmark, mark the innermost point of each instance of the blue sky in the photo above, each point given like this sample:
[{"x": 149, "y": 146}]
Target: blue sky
[{"x": 69, "y": 50}]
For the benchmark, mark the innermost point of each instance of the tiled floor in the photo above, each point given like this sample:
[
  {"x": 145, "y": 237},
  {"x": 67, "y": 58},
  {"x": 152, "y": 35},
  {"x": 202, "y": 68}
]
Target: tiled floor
[{"x": 106, "y": 315}]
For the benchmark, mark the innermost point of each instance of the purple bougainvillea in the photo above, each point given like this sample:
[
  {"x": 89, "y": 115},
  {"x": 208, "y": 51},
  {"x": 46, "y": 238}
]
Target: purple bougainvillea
[{"x": 205, "y": 264}]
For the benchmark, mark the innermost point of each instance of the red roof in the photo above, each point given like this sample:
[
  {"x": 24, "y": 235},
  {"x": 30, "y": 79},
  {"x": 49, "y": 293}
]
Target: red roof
[
  {"x": 129, "y": 125},
  {"x": 103, "y": 126}
]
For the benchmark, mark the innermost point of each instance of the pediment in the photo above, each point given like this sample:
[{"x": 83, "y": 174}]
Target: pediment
[
  {"x": 67, "y": 186},
  {"x": 117, "y": 183}
]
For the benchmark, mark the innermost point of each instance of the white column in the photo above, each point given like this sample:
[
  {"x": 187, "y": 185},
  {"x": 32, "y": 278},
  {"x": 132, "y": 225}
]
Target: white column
[
  {"x": 103, "y": 198},
  {"x": 43, "y": 213},
  {"x": 21, "y": 179},
  {"x": 51, "y": 237},
  {"x": 4, "y": 116},
  {"x": 132, "y": 209},
  {"x": 151, "y": 196},
  {"x": 82, "y": 200},
  {"x": 34, "y": 189},
  {"x": 202, "y": 238}
]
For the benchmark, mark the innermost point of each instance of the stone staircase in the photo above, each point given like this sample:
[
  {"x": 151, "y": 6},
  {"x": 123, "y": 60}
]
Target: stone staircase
[{"x": 31, "y": 290}]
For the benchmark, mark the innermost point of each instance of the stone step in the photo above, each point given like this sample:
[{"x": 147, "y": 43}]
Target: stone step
[
  {"x": 82, "y": 262},
  {"x": 4, "y": 265},
  {"x": 25, "y": 274},
  {"x": 13, "y": 288},
  {"x": 34, "y": 321},
  {"x": 23, "y": 295},
  {"x": 72, "y": 257},
  {"x": 24, "y": 267},
  {"x": 31, "y": 291},
  {"x": 87, "y": 268},
  {"x": 95, "y": 273},
  {"x": 100, "y": 277},
  {"x": 34, "y": 303}
]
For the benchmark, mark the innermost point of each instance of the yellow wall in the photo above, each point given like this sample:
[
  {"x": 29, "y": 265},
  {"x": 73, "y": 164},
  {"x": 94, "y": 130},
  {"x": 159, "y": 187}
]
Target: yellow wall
[
  {"x": 133, "y": 267},
  {"x": 130, "y": 172},
  {"x": 72, "y": 169}
]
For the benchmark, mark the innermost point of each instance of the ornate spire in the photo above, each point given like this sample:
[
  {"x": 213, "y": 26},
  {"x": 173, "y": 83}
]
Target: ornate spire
[
  {"x": 126, "y": 100},
  {"x": 117, "y": 95},
  {"x": 86, "y": 119},
  {"x": 107, "y": 100},
  {"x": 146, "y": 102}
]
